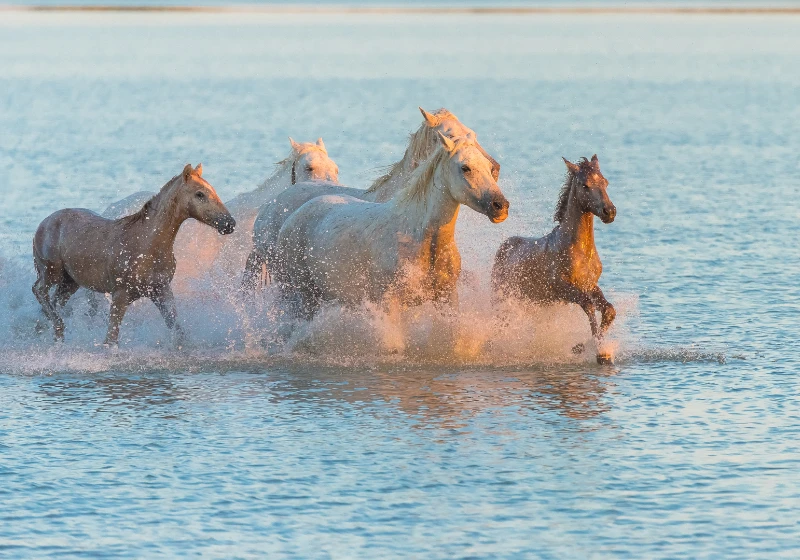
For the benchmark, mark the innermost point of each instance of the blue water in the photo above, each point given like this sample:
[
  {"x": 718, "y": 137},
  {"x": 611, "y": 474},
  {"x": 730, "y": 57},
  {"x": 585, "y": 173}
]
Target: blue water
[{"x": 687, "y": 447}]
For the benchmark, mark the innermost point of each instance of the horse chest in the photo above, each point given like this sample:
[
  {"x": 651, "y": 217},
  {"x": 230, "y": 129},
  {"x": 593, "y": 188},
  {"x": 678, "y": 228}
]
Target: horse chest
[
  {"x": 430, "y": 267},
  {"x": 583, "y": 268}
]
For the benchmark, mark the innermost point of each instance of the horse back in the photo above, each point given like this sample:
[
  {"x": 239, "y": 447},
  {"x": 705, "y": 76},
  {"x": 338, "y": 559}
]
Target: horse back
[
  {"x": 78, "y": 241},
  {"x": 275, "y": 212}
]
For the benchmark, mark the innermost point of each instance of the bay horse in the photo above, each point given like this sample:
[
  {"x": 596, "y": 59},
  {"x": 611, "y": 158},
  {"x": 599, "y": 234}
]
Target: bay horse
[
  {"x": 563, "y": 266},
  {"x": 130, "y": 258},
  {"x": 422, "y": 143},
  {"x": 398, "y": 253}
]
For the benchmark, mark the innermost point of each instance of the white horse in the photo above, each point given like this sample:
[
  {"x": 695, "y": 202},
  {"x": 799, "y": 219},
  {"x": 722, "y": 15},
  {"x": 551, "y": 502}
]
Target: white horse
[
  {"x": 196, "y": 250},
  {"x": 398, "y": 253},
  {"x": 422, "y": 143}
]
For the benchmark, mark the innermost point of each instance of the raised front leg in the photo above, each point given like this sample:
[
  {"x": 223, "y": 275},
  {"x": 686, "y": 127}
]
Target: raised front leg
[
  {"x": 120, "y": 300},
  {"x": 572, "y": 294},
  {"x": 607, "y": 310},
  {"x": 165, "y": 302}
]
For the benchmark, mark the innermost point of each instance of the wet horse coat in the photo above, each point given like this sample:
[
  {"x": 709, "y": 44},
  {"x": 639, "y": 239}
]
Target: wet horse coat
[
  {"x": 563, "y": 266},
  {"x": 398, "y": 253},
  {"x": 129, "y": 258}
]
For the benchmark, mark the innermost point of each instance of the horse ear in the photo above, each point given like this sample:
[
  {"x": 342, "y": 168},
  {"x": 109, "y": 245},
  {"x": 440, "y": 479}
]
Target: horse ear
[
  {"x": 321, "y": 145},
  {"x": 595, "y": 161},
  {"x": 431, "y": 120},
  {"x": 187, "y": 172},
  {"x": 446, "y": 142},
  {"x": 571, "y": 166},
  {"x": 199, "y": 170},
  {"x": 295, "y": 145}
]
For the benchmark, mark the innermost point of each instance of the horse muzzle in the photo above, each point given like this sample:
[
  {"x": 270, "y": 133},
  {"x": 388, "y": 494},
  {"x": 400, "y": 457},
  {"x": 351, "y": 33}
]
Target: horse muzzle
[
  {"x": 608, "y": 214},
  {"x": 497, "y": 209},
  {"x": 225, "y": 224}
]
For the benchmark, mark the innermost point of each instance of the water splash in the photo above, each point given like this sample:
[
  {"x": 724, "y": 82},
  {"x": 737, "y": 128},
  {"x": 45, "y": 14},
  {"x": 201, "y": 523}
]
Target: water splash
[{"x": 225, "y": 333}]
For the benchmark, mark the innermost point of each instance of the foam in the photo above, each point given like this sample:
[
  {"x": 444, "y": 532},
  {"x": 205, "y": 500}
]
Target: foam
[{"x": 225, "y": 333}]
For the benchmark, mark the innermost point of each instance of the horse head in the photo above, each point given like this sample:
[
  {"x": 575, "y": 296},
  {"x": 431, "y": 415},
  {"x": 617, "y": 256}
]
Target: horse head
[
  {"x": 468, "y": 175},
  {"x": 589, "y": 188},
  {"x": 202, "y": 202},
  {"x": 447, "y": 123},
  {"x": 310, "y": 162}
]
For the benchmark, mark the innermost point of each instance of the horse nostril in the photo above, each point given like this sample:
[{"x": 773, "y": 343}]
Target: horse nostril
[{"x": 497, "y": 205}]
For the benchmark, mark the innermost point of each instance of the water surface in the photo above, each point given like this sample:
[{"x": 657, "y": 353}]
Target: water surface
[{"x": 332, "y": 447}]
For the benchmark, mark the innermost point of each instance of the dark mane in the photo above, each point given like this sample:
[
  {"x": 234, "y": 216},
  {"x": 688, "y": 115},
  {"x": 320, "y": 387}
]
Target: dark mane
[
  {"x": 563, "y": 196},
  {"x": 149, "y": 206}
]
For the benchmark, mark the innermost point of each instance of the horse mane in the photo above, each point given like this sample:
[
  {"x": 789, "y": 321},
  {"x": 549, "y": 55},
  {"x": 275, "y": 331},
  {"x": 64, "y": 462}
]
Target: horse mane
[
  {"x": 419, "y": 143},
  {"x": 421, "y": 180},
  {"x": 566, "y": 188},
  {"x": 149, "y": 207}
]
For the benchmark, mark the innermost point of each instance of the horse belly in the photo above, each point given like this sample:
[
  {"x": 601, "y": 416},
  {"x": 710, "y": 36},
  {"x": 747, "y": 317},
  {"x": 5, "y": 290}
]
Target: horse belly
[{"x": 342, "y": 268}]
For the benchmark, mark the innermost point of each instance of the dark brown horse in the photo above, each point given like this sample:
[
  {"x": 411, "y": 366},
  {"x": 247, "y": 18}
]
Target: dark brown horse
[{"x": 563, "y": 266}]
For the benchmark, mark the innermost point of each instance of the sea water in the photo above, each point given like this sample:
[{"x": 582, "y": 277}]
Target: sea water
[{"x": 480, "y": 436}]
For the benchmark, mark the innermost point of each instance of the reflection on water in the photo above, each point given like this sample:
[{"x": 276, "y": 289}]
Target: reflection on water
[{"x": 138, "y": 393}]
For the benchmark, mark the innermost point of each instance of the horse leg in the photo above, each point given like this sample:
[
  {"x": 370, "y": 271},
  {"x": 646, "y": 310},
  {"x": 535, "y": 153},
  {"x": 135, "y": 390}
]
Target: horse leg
[
  {"x": 571, "y": 294},
  {"x": 45, "y": 279},
  {"x": 252, "y": 271},
  {"x": 92, "y": 299},
  {"x": 65, "y": 290},
  {"x": 606, "y": 309},
  {"x": 165, "y": 302},
  {"x": 120, "y": 300}
]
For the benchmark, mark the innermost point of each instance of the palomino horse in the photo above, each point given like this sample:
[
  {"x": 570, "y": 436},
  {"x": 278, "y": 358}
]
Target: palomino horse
[
  {"x": 399, "y": 253},
  {"x": 563, "y": 266},
  {"x": 422, "y": 144},
  {"x": 129, "y": 258},
  {"x": 196, "y": 249}
]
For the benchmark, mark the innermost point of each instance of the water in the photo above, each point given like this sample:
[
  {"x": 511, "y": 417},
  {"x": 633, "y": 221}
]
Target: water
[{"x": 330, "y": 446}]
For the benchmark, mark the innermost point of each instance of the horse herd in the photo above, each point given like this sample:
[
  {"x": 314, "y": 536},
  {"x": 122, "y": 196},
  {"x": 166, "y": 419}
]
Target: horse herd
[{"x": 319, "y": 241}]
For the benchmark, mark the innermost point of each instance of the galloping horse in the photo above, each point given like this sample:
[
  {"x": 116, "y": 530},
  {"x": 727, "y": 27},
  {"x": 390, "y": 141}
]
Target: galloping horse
[
  {"x": 563, "y": 266},
  {"x": 422, "y": 143},
  {"x": 129, "y": 258},
  {"x": 401, "y": 252},
  {"x": 196, "y": 249}
]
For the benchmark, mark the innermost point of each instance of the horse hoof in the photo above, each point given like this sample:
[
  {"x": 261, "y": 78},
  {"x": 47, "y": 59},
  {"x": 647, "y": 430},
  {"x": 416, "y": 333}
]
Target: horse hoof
[
  {"x": 605, "y": 360},
  {"x": 578, "y": 348}
]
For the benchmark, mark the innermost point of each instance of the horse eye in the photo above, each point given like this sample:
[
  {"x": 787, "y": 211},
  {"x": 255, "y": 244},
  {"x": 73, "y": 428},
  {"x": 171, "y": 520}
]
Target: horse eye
[
  {"x": 200, "y": 195},
  {"x": 309, "y": 168},
  {"x": 585, "y": 186},
  {"x": 465, "y": 168}
]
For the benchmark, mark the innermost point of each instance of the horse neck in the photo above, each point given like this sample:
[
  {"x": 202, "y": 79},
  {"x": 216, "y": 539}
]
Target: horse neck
[
  {"x": 416, "y": 152},
  {"x": 281, "y": 177},
  {"x": 162, "y": 225},
  {"x": 577, "y": 227},
  {"x": 396, "y": 178},
  {"x": 432, "y": 216}
]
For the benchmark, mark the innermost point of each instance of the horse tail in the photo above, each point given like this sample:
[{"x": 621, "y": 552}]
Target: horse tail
[{"x": 500, "y": 267}]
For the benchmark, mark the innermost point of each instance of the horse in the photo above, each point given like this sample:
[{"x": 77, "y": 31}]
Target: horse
[
  {"x": 398, "y": 253},
  {"x": 563, "y": 266},
  {"x": 422, "y": 143},
  {"x": 130, "y": 258}
]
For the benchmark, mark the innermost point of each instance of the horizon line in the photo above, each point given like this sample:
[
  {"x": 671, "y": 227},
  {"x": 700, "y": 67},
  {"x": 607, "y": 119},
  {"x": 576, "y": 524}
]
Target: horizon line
[{"x": 410, "y": 10}]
